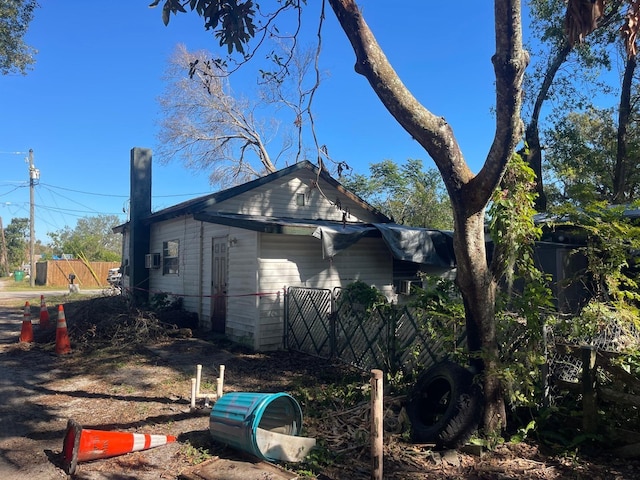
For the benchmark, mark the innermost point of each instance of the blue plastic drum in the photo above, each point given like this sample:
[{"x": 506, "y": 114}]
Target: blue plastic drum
[{"x": 236, "y": 418}]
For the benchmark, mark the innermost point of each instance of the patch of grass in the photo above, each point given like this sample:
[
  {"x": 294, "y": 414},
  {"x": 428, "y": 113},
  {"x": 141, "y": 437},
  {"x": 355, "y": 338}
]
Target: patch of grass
[
  {"x": 195, "y": 455},
  {"x": 176, "y": 381},
  {"x": 125, "y": 389},
  {"x": 10, "y": 285}
]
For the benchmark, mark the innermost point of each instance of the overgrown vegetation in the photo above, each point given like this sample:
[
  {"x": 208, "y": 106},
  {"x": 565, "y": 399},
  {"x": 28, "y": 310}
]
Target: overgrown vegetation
[
  {"x": 361, "y": 296},
  {"x": 608, "y": 239}
]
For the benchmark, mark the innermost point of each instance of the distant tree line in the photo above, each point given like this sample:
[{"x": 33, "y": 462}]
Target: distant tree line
[{"x": 92, "y": 238}]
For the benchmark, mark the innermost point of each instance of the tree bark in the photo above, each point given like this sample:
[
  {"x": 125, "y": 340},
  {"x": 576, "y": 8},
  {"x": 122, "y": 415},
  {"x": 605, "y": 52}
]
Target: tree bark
[
  {"x": 532, "y": 134},
  {"x": 478, "y": 288},
  {"x": 469, "y": 193},
  {"x": 624, "y": 118}
]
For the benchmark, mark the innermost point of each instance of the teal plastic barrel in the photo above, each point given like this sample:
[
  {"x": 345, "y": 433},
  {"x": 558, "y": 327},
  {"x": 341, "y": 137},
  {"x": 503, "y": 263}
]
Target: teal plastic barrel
[
  {"x": 236, "y": 417},
  {"x": 18, "y": 275}
]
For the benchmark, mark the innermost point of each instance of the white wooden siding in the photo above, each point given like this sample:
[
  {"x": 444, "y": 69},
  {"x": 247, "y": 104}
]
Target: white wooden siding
[
  {"x": 278, "y": 199},
  {"x": 242, "y": 287},
  {"x": 186, "y": 282},
  {"x": 286, "y": 261},
  {"x": 193, "y": 282}
]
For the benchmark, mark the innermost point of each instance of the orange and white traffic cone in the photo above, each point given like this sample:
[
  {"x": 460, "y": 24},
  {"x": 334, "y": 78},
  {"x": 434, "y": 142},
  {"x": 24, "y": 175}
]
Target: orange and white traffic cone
[
  {"x": 26, "y": 333},
  {"x": 83, "y": 444},
  {"x": 62, "y": 337},
  {"x": 44, "y": 313}
]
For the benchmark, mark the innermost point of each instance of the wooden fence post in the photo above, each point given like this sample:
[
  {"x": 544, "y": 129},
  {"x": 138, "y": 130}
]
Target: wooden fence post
[
  {"x": 589, "y": 400},
  {"x": 377, "y": 427}
]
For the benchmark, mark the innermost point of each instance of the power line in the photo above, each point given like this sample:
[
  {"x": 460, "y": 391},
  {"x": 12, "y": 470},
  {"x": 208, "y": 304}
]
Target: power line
[
  {"x": 70, "y": 200},
  {"x": 13, "y": 190},
  {"x": 71, "y": 211},
  {"x": 123, "y": 196},
  {"x": 85, "y": 193}
]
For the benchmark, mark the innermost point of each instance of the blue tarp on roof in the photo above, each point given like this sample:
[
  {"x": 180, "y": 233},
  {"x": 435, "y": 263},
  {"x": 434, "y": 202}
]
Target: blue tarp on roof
[{"x": 410, "y": 244}]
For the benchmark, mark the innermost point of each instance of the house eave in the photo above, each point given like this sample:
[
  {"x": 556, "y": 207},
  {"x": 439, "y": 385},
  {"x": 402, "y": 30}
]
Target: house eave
[{"x": 283, "y": 226}]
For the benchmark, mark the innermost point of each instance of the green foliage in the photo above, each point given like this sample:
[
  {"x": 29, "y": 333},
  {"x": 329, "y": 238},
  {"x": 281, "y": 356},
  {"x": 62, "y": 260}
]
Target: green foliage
[
  {"x": 525, "y": 299},
  {"x": 195, "y": 455},
  {"x": 360, "y": 295},
  {"x": 582, "y": 148},
  {"x": 439, "y": 296},
  {"x": 630, "y": 362},
  {"x": 163, "y": 301},
  {"x": 15, "y": 54},
  {"x": 442, "y": 316},
  {"x": 557, "y": 427},
  {"x": 16, "y": 236},
  {"x": 512, "y": 227},
  {"x": 340, "y": 396},
  {"x": 522, "y": 357},
  {"x": 407, "y": 193},
  {"x": 318, "y": 399},
  {"x": 582, "y": 158},
  {"x": 595, "y": 318},
  {"x": 231, "y": 21},
  {"x": 610, "y": 241},
  {"x": 523, "y": 432},
  {"x": 92, "y": 237}
]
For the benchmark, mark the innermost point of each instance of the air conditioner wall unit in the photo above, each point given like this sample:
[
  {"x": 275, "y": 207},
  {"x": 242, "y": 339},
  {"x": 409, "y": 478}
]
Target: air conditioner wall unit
[{"x": 152, "y": 260}]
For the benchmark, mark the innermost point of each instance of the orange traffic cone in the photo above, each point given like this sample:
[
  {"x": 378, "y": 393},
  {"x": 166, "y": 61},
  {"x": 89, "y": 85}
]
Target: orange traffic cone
[
  {"x": 84, "y": 444},
  {"x": 62, "y": 337},
  {"x": 44, "y": 313},
  {"x": 26, "y": 334}
]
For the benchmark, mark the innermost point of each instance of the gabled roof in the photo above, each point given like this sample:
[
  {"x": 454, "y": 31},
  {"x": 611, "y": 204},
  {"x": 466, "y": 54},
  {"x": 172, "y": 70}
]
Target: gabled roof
[{"x": 197, "y": 205}]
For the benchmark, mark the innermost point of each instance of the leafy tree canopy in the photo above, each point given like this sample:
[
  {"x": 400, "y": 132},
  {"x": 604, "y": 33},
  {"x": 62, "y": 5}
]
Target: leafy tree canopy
[
  {"x": 581, "y": 158},
  {"x": 16, "y": 235},
  {"x": 92, "y": 238},
  {"x": 407, "y": 193},
  {"x": 15, "y": 54}
]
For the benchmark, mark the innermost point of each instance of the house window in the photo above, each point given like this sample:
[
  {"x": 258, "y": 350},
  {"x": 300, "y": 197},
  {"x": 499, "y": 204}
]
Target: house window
[
  {"x": 300, "y": 199},
  {"x": 170, "y": 257}
]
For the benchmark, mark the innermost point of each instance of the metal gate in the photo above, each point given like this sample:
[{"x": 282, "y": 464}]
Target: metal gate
[
  {"x": 393, "y": 338},
  {"x": 307, "y": 321}
]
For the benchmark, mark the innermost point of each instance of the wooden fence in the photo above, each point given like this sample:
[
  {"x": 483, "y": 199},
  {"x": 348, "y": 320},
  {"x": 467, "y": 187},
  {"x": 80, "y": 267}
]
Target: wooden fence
[
  {"x": 88, "y": 275},
  {"x": 622, "y": 388}
]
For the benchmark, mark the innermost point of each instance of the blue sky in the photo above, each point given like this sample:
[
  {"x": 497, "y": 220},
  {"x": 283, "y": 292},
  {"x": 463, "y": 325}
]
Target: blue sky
[{"x": 92, "y": 96}]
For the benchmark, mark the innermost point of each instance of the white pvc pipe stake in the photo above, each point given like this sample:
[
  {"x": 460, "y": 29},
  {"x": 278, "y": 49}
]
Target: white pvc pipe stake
[
  {"x": 193, "y": 393},
  {"x": 198, "y": 378},
  {"x": 220, "y": 383}
]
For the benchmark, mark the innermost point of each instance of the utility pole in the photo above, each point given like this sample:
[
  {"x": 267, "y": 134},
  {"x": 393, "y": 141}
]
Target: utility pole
[{"x": 34, "y": 174}]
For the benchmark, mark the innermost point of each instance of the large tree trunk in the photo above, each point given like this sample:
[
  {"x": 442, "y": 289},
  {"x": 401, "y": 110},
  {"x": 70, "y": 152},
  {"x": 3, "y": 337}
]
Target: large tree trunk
[
  {"x": 469, "y": 193},
  {"x": 624, "y": 118},
  {"x": 534, "y": 154},
  {"x": 478, "y": 288}
]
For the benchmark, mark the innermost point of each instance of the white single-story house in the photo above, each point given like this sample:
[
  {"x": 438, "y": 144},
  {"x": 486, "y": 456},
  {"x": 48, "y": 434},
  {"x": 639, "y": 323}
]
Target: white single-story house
[{"x": 232, "y": 254}]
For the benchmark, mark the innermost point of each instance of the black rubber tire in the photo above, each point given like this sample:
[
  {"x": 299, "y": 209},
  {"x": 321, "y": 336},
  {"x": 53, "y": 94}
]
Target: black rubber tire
[{"x": 444, "y": 406}]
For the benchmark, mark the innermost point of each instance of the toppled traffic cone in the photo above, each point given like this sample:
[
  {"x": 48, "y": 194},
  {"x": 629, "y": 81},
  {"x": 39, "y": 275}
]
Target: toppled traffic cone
[
  {"x": 26, "y": 333},
  {"x": 84, "y": 444},
  {"x": 62, "y": 337},
  {"x": 44, "y": 313}
]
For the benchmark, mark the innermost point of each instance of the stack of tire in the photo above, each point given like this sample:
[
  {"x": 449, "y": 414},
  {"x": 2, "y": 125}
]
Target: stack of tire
[{"x": 444, "y": 406}]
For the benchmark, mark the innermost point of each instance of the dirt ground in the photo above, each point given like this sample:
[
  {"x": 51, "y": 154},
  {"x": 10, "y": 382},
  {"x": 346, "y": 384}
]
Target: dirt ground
[{"x": 126, "y": 375}]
